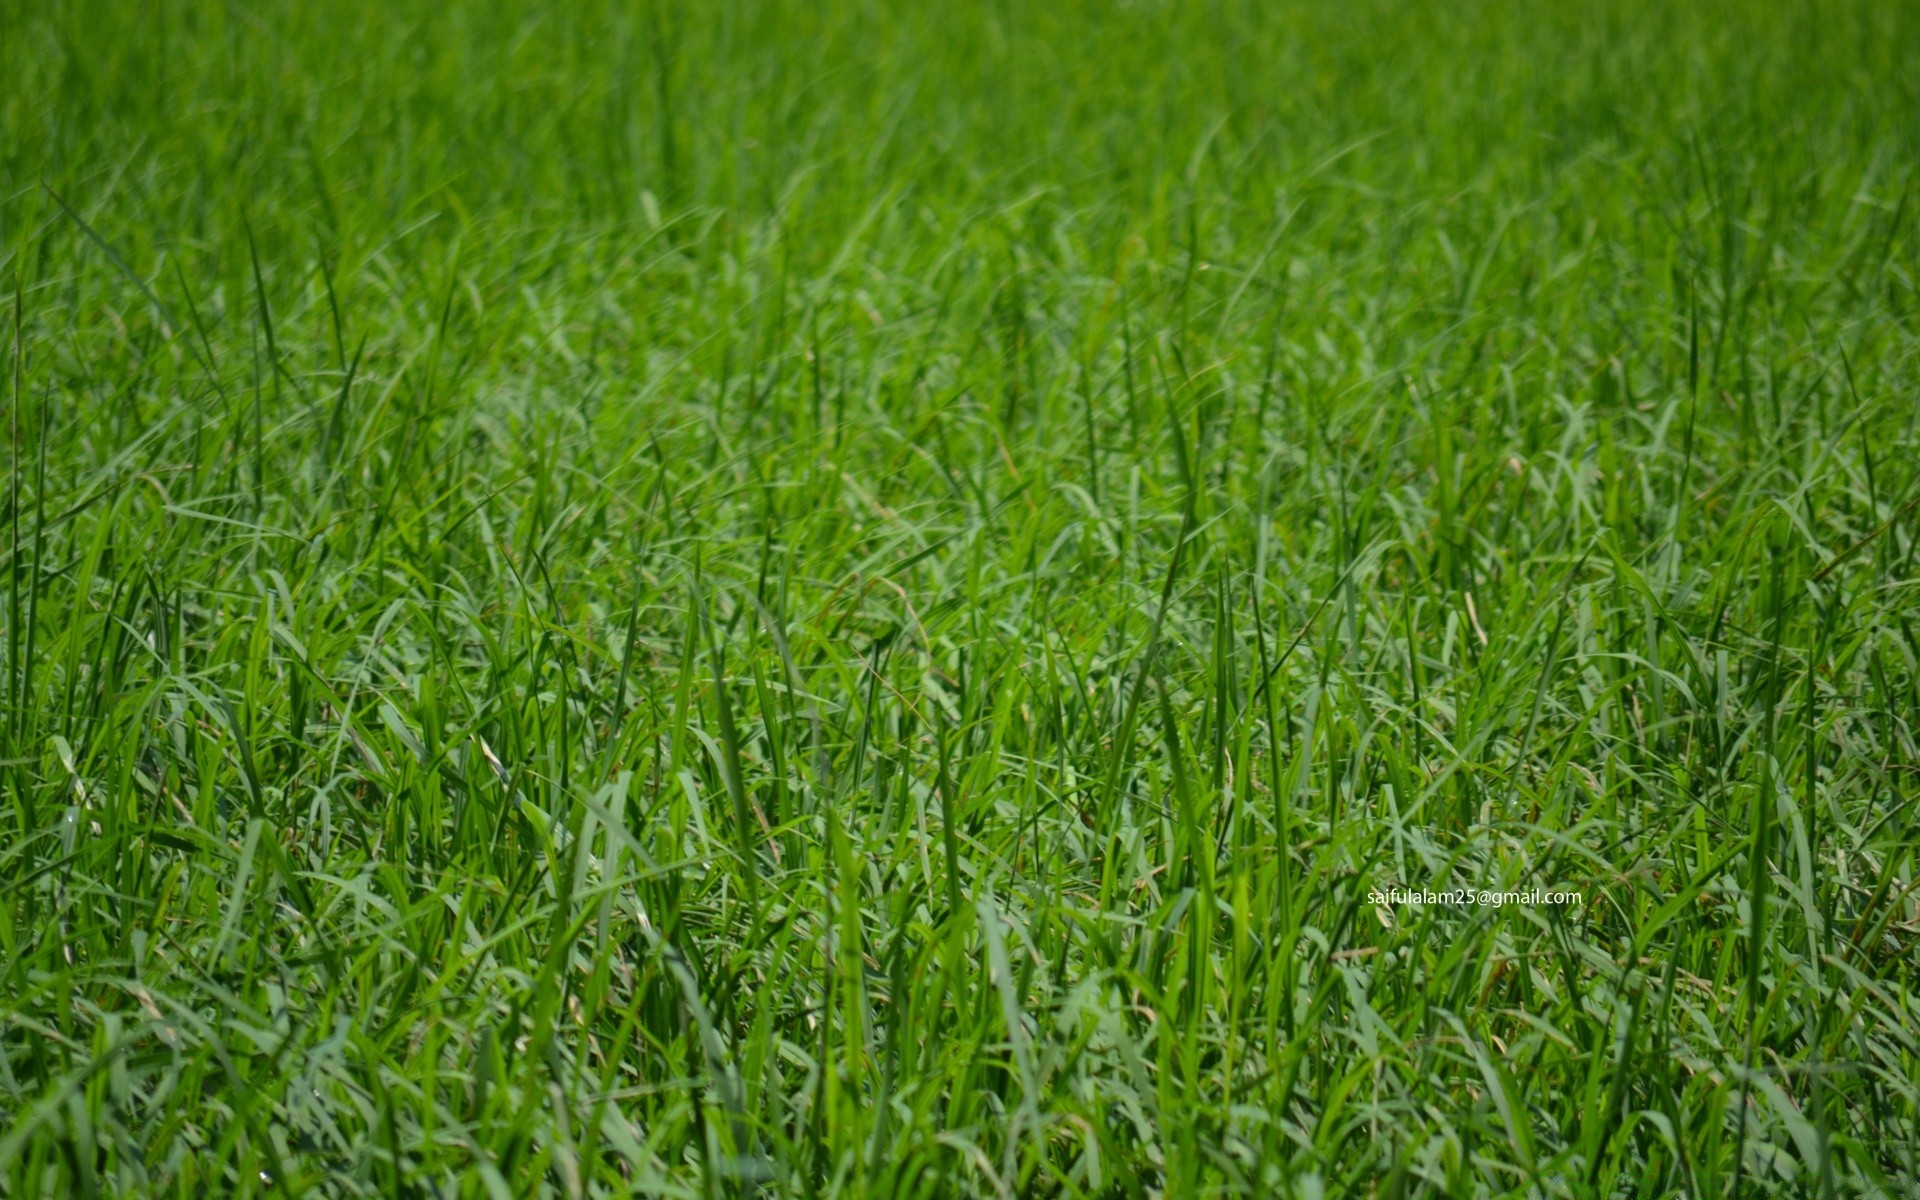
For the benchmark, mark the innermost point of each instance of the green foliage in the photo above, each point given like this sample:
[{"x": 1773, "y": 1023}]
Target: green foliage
[{"x": 826, "y": 599}]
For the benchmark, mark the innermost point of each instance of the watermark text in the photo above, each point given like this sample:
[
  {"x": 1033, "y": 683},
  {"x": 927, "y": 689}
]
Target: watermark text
[{"x": 1466, "y": 897}]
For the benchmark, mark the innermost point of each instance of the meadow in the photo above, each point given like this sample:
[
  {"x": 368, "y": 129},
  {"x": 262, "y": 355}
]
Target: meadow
[{"x": 838, "y": 599}]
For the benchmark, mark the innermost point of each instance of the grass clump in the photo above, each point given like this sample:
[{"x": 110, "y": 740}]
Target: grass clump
[{"x": 826, "y": 599}]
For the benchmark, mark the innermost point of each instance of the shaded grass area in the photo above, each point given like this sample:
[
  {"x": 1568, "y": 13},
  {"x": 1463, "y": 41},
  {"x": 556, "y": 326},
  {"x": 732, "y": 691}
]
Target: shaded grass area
[{"x": 815, "y": 599}]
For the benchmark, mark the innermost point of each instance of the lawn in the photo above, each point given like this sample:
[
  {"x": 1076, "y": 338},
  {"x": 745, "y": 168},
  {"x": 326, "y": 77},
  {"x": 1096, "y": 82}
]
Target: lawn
[{"x": 817, "y": 598}]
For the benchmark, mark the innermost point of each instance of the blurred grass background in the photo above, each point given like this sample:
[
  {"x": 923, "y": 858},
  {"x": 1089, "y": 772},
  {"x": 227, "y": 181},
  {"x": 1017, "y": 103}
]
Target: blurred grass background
[{"x": 836, "y": 599}]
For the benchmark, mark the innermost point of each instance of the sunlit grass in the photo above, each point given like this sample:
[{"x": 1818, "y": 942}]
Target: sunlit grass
[{"x": 822, "y": 599}]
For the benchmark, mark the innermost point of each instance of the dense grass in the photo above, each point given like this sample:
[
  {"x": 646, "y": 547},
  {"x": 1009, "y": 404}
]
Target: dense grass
[{"x": 776, "y": 598}]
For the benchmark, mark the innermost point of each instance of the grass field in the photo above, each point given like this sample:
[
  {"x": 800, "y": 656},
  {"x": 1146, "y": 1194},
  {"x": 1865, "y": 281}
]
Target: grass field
[{"x": 760, "y": 598}]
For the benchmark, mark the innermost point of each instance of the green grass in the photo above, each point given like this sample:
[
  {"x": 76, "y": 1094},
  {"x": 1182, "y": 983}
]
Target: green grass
[{"x": 781, "y": 598}]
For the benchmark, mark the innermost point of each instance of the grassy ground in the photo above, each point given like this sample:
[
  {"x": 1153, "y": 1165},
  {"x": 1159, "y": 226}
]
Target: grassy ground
[{"x": 805, "y": 599}]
